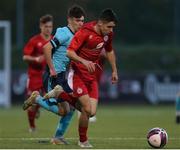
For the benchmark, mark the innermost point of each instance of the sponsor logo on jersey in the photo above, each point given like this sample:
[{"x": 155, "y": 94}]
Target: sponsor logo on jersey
[{"x": 100, "y": 45}]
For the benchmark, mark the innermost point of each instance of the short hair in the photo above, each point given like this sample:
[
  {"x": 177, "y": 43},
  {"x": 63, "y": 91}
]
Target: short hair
[
  {"x": 108, "y": 15},
  {"x": 46, "y": 18},
  {"x": 76, "y": 12}
]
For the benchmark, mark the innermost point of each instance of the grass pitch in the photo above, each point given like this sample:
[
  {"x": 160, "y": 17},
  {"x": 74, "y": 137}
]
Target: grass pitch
[{"x": 117, "y": 127}]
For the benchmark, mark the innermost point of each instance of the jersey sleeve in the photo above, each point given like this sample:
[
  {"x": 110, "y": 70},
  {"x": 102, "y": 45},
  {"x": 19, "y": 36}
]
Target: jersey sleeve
[
  {"x": 29, "y": 47},
  {"x": 108, "y": 46},
  {"x": 59, "y": 38},
  {"x": 78, "y": 40}
]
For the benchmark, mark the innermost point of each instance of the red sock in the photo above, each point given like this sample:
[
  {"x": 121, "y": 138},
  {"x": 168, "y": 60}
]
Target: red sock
[
  {"x": 31, "y": 118},
  {"x": 83, "y": 134},
  {"x": 67, "y": 97}
]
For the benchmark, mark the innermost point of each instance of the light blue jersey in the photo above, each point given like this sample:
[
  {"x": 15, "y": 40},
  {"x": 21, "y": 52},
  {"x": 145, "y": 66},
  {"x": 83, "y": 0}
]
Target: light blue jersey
[{"x": 60, "y": 43}]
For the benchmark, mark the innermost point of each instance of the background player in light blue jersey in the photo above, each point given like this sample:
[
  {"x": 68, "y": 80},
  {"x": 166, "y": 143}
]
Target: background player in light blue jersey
[{"x": 55, "y": 54}]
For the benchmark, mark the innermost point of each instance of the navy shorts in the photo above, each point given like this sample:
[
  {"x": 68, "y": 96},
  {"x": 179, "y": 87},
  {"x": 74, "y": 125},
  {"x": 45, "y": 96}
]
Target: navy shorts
[
  {"x": 51, "y": 82},
  {"x": 61, "y": 80}
]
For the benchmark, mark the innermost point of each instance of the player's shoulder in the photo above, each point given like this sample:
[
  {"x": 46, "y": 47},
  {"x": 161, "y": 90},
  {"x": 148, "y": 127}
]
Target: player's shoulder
[
  {"x": 35, "y": 37},
  {"x": 89, "y": 25},
  {"x": 62, "y": 30},
  {"x": 85, "y": 31},
  {"x": 63, "y": 34}
]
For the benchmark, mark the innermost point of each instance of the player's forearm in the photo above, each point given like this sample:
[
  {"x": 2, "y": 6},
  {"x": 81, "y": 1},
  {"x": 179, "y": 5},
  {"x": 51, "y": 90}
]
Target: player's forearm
[
  {"x": 112, "y": 60},
  {"x": 47, "y": 49},
  {"x": 73, "y": 56},
  {"x": 30, "y": 59}
]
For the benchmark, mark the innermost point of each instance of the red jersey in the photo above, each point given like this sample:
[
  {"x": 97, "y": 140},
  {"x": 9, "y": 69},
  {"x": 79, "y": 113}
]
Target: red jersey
[
  {"x": 35, "y": 70},
  {"x": 88, "y": 44},
  {"x": 101, "y": 62}
]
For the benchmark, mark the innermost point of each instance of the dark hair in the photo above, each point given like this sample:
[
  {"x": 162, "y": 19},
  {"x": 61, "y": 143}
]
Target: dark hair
[
  {"x": 76, "y": 11},
  {"x": 108, "y": 15},
  {"x": 46, "y": 18}
]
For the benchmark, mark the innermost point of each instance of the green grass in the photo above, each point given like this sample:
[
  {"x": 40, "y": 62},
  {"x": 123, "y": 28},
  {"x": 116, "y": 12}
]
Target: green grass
[{"x": 117, "y": 127}]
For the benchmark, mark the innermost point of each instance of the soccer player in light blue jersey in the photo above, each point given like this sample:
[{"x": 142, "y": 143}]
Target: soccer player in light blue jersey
[{"x": 55, "y": 54}]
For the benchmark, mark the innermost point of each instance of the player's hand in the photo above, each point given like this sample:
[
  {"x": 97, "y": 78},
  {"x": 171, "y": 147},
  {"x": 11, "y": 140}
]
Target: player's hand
[
  {"x": 40, "y": 59},
  {"x": 114, "y": 78},
  {"x": 53, "y": 73},
  {"x": 89, "y": 65}
]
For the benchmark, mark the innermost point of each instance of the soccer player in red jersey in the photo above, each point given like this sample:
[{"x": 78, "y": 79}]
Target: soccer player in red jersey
[
  {"x": 84, "y": 51},
  {"x": 33, "y": 55}
]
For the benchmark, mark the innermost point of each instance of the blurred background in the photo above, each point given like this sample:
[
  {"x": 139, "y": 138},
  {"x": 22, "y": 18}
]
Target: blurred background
[{"x": 146, "y": 42}]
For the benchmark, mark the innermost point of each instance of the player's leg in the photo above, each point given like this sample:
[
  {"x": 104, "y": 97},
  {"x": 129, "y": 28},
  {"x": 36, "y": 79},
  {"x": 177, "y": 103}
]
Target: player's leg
[
  {"x": 83, "y": 128},
  {"x": 31, "y": 119},
  {"x": 85, "y": 106},
  {"x": 92, "y": 97},
  {"x": 37, "y": 107},
  {"x": 83, "y": 124},
  {"x": 62, "y": 128},
  {"x": 84, "y": 121},
  {"x": 178, "y": 108},
  {"x": 80, "y": 91},
  {"x": 94, "y": 104},
  {"x": 37, "y": 111},
  {"x": 33, "y": 89},
  {"x": 58, "y": 92},
  {"x": 31, "y": 112},
  {"x": 50, "y": 105},
  {"x": 85, "y": 103},
  {"x": 94, "y": 94},
  {"x": 65, "y": 120}
]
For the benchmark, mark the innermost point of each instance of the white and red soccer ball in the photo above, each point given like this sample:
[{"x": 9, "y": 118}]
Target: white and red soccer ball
[{"x": 157, "y": 137}]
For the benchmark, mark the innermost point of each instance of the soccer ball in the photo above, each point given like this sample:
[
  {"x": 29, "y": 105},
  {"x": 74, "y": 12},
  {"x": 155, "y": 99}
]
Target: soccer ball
[{"x": 157, "y": 137}]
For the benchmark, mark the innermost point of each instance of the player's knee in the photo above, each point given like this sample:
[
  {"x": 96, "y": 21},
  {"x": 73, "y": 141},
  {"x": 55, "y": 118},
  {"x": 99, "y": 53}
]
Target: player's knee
[
  {"x": 64, "y": 108},
  {"x": 88, "y": 110},
  {"x": 93, "y": 114},
  {"x": 63, "y": 111},
  {"x": 93, "y": 111}
]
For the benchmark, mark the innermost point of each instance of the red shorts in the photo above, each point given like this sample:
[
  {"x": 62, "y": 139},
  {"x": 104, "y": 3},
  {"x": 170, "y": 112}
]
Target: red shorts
[
  {"x": 81, "y": 87},
  {"x": 34, "y": 84}
]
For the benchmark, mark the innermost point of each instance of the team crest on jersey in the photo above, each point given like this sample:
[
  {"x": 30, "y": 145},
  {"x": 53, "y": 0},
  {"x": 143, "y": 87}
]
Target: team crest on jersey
[
  {"x": 79, "y": 90},
  {"x": 100, "y": 45},
  {"x": 39, "y": 44},
  {"x": 106, "y": 38}
]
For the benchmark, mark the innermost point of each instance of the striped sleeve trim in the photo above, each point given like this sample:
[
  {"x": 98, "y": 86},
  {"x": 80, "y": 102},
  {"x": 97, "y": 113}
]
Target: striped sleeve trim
[{"x": 55, "y": 43}]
